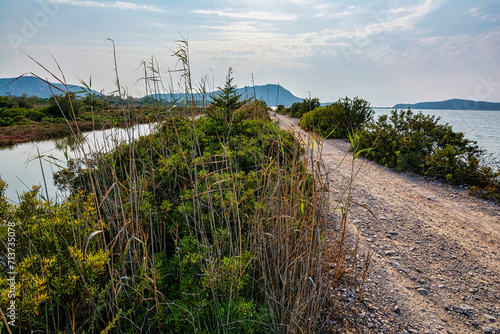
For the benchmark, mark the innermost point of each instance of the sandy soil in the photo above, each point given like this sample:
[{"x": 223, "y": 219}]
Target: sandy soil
[{"x": 435, "y": 264}]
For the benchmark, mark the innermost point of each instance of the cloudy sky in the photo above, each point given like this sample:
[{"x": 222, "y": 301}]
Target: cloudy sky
[{"x": 384, "y": 51}]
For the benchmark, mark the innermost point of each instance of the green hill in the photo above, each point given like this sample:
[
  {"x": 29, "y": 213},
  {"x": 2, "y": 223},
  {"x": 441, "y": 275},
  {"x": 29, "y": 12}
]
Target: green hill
[{"x": 453, "y": 104}]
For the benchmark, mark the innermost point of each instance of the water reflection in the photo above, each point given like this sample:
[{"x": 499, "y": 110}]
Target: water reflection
[
  {"x": 69, "y": 143},
  {"x": 34, "y": 163}
]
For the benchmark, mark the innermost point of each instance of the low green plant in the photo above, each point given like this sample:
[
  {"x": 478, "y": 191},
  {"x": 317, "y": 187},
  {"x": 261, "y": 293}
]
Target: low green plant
[
  {"x": 418, "y": 143},
  {"x": 61, "y": 268},
  {"x": 298, "y": 109},
  {"x": 339, "y": 119}
]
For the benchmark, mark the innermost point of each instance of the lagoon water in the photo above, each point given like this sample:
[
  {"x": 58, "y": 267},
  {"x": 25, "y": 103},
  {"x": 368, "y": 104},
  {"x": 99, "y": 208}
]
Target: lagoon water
[
  {"x": 21, "y": 168},
  {"x": 34, "y": 163}
]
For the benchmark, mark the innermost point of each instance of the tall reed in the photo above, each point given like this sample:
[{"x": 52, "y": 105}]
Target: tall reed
[{"x": 200, "y": 226}]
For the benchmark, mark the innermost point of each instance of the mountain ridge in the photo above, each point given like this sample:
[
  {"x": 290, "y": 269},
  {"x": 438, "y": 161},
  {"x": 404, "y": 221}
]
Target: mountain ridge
[
  {"x": 452, "y": 104},
  {"x": 33, "y": 86},
  {"x": 272, "y": 94}
]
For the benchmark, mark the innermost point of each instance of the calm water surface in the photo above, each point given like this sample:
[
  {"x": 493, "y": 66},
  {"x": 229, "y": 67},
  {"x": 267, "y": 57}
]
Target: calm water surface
[{"x": 21, "y": 168}]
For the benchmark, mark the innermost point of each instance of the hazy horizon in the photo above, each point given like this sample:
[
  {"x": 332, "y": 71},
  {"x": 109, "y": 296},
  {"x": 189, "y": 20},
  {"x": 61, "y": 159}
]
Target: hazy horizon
[{"x": 386, "y": 52}]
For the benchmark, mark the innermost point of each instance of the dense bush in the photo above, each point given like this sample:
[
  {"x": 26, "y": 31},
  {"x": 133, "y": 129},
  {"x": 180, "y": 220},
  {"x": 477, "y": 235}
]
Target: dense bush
[
  {"x": 339, "y": 119},
  {"x": 19, "y": 116},
  {"x": 23, "y": 101},
  {"x": 68, "y": 106},
  {"x": 300, "y": 108},
  {"x": 6, "y": 102},
  {"x": 418, "y": 143},
  {"x": 60, "y": 268}
]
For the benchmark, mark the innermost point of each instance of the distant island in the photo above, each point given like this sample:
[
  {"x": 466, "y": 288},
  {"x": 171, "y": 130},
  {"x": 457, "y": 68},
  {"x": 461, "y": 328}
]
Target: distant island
[
  {"x": 272, "y": 94},
  {"x": 453, "y": 104}
]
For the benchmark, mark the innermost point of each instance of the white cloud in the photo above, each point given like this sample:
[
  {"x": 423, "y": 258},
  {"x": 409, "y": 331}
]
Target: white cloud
[
  {"x": 242, "y": 27},
  {"x": 481, "y": 15},
  {"x": 253, "y": 15},
  {"x": 114, "y": 5},
  {"x": 402, "y": 18}
]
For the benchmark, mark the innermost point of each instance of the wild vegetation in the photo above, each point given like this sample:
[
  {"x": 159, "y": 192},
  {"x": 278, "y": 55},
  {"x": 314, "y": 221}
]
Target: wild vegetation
[
  {"x": 408, "y": 142},
  {"x": 297, "y": 109},
  {"x": 418, "y": 143},
  {"x": 339, "y": 119},
  {"x": 24, "y": 118},
  {"x": 211, "y": 224}
]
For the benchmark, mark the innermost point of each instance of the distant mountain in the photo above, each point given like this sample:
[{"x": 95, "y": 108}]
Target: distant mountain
[
  {"x": 30, "y": 86},
  {"x": 272, "y": 94},
  {"x": 453, "y": 104}
]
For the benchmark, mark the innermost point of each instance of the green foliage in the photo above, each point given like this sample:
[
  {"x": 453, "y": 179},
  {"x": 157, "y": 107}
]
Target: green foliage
[
  {"x": 6, "y": 102},
  {"x": 95, "y": 103},
  {"x": 19, "y": 110},
  {"x": 338, "y": 120},
  {"x": 207, "y": 225},
  {"x": 226, "y": 102},
  {"x": 23, "y": 101},
  {"x": 418, "y": 143},
  {"x": 60, "y": 267},
  {"x": 300, "y": 108},
  {"x": 67, "y": 106},
  {"x": 19, "y": 116}
]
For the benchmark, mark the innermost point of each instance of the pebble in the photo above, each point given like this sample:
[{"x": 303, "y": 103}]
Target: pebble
[
  {"x": 390, "y": 253},
  {"x": 463, "y": 309},
  {"x": 432, "y": 199},
  {"x": 489, "y": 318},
  {"x": 422, "y": 291},
  {"x": 487, "y": 329}
]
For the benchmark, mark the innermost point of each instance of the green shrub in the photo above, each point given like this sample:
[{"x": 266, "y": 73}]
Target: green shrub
[
  {"x": 6, "y": 102},
  {"x": 418, "y": 143},
  {"x": 339, "y": 119},
  {"x": 61, "y": 268},
  {"x": 13, "y": 116},
  {"x": 300, "y": 108},
  {"x": 66, "y": 106}
]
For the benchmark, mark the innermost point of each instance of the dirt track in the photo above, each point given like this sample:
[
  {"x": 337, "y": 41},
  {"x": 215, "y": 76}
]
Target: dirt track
[{"x": 436, "y": 250}]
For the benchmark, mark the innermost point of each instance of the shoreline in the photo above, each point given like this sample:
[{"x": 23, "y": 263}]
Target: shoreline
[{"x": 11, "y": 136}]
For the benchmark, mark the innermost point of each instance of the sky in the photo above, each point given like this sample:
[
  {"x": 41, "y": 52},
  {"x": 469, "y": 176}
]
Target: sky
[{"x": 383, "y": 51}]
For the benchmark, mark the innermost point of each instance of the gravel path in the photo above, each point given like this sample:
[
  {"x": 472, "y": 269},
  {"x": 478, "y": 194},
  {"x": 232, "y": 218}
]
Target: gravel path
[{"x": 435, "y": 265}]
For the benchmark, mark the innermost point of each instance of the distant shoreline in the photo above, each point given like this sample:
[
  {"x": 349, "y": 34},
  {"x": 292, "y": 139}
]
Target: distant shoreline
[{"x": 453, "y": 104}]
